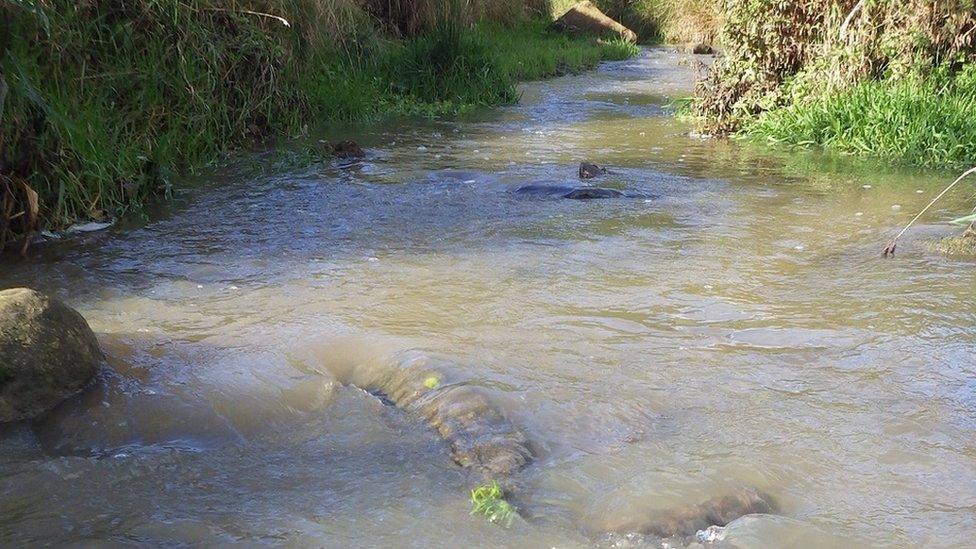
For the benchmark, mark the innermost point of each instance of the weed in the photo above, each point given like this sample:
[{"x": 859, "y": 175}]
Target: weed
[{"x": 488, "y": 500}]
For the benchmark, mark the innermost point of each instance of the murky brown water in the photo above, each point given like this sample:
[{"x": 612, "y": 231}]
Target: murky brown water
[{"x": 739, "y": 330}]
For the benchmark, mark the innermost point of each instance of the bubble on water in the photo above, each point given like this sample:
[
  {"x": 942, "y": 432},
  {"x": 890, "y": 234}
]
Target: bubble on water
[
  {"x": 798, "y": 247},
  {"x": 469, "y": 181},
  {"x": 372, "y": 259},
  {"x": 421, "y": 148},
  {"x": 859, "y": 214},
  {"x": 642, "y": 134},
  {"x": 711, "y": 534},
  {"x": 234, "y": 288},
  {"x": 865, "y": 186},
  {"x": 919, "y": 191},
  {"x": 200, "y": 286},
  {"x": 896, "y": 207},
  {"x": 438, "y": 156}
]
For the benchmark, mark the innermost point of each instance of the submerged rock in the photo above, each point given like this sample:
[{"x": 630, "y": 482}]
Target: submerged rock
[
  {"x": 47, "y": 353},
  {"x": 573, "y": 193},
  {"x": 590, "y": 193},
  {"x": 688, "y": 520},
  {"x": 586, "y": 18},
  {"x": 345, "y": 149},
  {"x": 482, "y": 438},
  {"x": 479, "y": 435}
]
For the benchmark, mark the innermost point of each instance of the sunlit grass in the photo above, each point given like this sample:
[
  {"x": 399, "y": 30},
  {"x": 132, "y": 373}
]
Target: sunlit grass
[
  {"x": 488, "y": 500},
  {"x": 928, "y": 122}
]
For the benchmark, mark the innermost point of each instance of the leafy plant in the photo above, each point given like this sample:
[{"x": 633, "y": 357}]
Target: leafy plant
[{"x": 488, "y": 500}]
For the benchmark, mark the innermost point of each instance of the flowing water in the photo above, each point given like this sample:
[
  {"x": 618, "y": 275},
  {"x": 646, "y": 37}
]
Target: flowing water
[{"x": 737, "y": 329}]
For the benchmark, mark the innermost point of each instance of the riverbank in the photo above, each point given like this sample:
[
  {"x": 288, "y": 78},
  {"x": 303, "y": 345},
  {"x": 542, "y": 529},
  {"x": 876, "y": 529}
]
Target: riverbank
[
  {"x": 891, "y": 80},
  {"x": 106, "y": 103}
]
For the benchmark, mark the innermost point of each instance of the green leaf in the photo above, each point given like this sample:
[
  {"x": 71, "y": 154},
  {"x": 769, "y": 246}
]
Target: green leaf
[{"x": 966, "y": 220}]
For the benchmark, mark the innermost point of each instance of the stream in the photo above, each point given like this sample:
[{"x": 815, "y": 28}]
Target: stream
[{"x": 732, "y": 324}]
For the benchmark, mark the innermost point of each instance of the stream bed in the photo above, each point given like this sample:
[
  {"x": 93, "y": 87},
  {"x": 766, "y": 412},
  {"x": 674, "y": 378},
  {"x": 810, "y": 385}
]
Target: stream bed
[{"x": 731, "y": 324}]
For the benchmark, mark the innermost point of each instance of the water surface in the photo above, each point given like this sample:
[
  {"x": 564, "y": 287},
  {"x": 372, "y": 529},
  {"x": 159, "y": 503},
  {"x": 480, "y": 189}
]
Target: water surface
[{"x": 739, "y": 329}]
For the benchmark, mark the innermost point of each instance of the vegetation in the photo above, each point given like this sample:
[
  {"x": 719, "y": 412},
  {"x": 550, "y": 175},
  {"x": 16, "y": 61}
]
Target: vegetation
[
  {"x": 101, "y": 102},
  {"x": 888, "y": 78},
  {"x": 668, "y": 21},
  {"x": 488, "y": 500},
  {"x": 926, "y": 121}
]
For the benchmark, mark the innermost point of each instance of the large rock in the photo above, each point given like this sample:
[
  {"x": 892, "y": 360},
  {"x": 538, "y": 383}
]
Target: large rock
[
  {"x": 47, "y": 353},
  {"x": 585, "y": 17}
]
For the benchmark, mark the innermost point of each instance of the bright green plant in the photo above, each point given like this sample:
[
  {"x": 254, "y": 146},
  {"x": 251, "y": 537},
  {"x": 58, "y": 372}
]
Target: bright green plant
[{"x": 488, "y": 500}]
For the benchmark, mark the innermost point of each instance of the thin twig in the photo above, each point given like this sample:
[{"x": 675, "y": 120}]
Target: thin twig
[{"x": 890, "y": 248}]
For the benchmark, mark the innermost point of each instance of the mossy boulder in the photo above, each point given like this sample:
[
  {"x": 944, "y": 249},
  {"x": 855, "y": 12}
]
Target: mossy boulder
[
  {"x": 586, "y": 18},
  {"x": 47, "y": 353}
]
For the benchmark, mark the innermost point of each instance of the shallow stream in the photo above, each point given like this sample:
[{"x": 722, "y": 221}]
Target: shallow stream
[{"x": 736, "y": 327}]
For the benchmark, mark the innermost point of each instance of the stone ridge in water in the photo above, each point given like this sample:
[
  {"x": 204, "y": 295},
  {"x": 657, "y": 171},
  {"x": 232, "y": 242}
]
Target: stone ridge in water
[
  {"x": 483, "y": 439},
  {"x": 572, "y": 193},
  {"x": 480, "y": 437}
]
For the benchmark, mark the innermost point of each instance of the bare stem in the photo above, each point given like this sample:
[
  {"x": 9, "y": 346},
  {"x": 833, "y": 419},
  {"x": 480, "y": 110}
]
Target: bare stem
[{"x": 890, "y": 249}]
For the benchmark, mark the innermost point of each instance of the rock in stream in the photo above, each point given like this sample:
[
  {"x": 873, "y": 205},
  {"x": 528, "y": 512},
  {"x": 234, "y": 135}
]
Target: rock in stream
[{"x": 47, "y": 353}]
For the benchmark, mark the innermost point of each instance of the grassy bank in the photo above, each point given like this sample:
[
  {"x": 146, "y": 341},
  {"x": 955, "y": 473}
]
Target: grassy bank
[
  {"x": 927, "y": 121},
  {"x": 884, "y": 78},
  {"x": 105, "y": 101}
]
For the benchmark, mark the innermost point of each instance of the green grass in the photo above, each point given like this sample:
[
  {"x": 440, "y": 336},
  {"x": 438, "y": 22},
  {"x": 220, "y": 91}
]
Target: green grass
[
  {"x": 108, "y": 101},
  {"x": 488, "y": 500},
  {"x": 530, "y": 52},
  {"x": 924, "y": 121}
]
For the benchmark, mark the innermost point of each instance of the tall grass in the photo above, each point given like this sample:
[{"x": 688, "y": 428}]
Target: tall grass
[
  {"x": 814, "y": 51},
  {"x": 921, "y": 120},
  {"x": 105, "y": 100}
]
